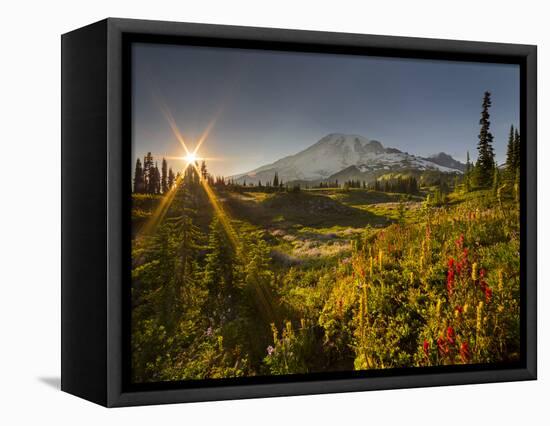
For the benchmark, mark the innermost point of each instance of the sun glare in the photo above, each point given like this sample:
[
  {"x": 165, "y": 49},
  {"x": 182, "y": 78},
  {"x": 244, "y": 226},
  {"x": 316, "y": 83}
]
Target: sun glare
[{"x": 191, "y": 158}]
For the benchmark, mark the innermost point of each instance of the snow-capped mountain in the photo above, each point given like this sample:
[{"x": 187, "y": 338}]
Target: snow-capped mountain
[
  {"x": 336, "y": 153},
  {"x": 447, "y": 161}
]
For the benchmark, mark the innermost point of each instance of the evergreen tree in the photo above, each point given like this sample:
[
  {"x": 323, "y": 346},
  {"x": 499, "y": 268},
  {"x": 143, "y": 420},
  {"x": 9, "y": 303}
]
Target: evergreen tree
[
  {"x": 510, "y": 153},
  {"x": 219, "y": 270},
  {"x": 486, "y": 156},
  {"x": 138, "y": 178},
  {"x": 171, "y": 178},
  {"x": 204, "y": 171},
  {"x": 276, "y": 180},
  {"x": 517, "y": 150},
  {"x": 164, "y": 178},
  {"x": 156, "y": 180},
  {"x": 148, "y": 173}
]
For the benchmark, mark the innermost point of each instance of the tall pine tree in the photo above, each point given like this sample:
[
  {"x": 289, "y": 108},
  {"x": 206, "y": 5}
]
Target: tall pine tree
[
  {"x": 486, "y": 156},
  {"x": 138, "y": 178},
  {"x": 510, "y": 150},
  {"x": 204, "y": 171},
  {"x": 171, "y": 178},
  {"x": 156, "y": 187},
  {"x": 148, "y": 173},
  {"x": 517, "y": 150},
  {"x": 164, "y": 178},
  {"x": 219, "y": 269}
]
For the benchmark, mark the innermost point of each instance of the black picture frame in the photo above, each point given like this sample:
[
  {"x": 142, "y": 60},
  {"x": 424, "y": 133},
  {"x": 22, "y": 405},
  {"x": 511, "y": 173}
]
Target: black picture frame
[{"x": 95, "y": 224}]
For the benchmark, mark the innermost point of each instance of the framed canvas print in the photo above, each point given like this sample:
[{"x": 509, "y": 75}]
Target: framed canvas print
[{"x": 253, "y": 212}]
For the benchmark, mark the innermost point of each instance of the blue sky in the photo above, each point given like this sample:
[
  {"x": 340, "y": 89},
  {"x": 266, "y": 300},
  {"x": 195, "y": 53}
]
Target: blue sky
[{"x": 269, "y": 104}]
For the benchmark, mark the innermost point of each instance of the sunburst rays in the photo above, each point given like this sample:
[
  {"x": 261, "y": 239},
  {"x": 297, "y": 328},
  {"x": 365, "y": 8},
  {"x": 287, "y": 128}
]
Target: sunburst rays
[{"x": 190, "y": 158}]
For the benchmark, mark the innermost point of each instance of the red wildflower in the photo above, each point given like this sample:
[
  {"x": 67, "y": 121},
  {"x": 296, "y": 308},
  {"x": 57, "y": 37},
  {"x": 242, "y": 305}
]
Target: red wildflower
[
  {"x": 458, "y": 268},
  {"x": 442, "y": 346},
  {"x": 465, "y": 352},
  {"x": 426, "y": 348},
  {"x": 460, "y": 241},
  {"x": 450, "y": 276},
  {"x": 483, "y": 285},
  {"x": 488, "y": 294},
  {"x": 451, "y": 335},
  {"x": 459, "y": 309}
]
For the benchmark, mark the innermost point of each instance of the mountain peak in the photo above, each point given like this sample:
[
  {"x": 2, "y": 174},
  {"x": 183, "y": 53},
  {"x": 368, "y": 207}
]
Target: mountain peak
[
  {"x": 339, "y": 152},
  {"x": 354, "y": 142},
  {"x": 444, "y": 159}
]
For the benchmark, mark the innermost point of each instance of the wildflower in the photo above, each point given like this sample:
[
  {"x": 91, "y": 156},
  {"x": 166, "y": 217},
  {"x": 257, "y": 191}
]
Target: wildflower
[
  {"x": 275, "y": 332},
  {"x": 450, "y": 276},
  {"x": 451, "y": 335},
  {"x": 438, "y": 308},
  {"x": 500, "y": 281},
  {"x": 474, "y": 272},
  {"x": 270, "y": 350},
  {"x": 426, "y": 347},
  {"x": 479, "y": 313},
  {"x": 488, "y": 294},
  {"x": 442, "y": 346},
  {"x": 465, "y": 352},
  {"x": 371, "y": 267},
  {"x": 411, "y": 278},
  {"x": 380, "y": 255},
  {"x": 460, "y": 241},
  {"x": 209, "y": 331}
]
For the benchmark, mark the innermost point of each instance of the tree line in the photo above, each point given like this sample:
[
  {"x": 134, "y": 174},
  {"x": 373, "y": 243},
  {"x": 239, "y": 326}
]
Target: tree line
[
  {"x": 406, "y": 185},
  {"x": 148, "y": 179}
]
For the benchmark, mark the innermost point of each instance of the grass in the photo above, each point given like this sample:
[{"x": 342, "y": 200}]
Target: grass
[{"x": 357, "y": 279}]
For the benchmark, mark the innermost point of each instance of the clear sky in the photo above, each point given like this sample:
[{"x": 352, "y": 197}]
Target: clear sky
[{"x": 266, "y": 104}]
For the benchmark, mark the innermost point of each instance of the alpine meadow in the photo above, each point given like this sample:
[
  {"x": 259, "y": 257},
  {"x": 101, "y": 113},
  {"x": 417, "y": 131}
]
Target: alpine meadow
[{"x": 256, "y": 253}]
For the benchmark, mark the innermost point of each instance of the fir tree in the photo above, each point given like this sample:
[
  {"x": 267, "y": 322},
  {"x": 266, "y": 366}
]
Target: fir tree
[
  {"x": 148, "y": 177},
  {"x": 219, "y": 270},
  {"x": 156, "y": 181},
  {"x": 164, "y": 178},
  {"x": 517, "y": 150},
  {"x": 171, "y": 178},
  {"x": 510, "y": 153},
  {"x": 276, "y": 180},
  {"x": 486, "y": 156},
  {"x": 138, "y": 178},
  {"x": 204, "y": 171}
]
